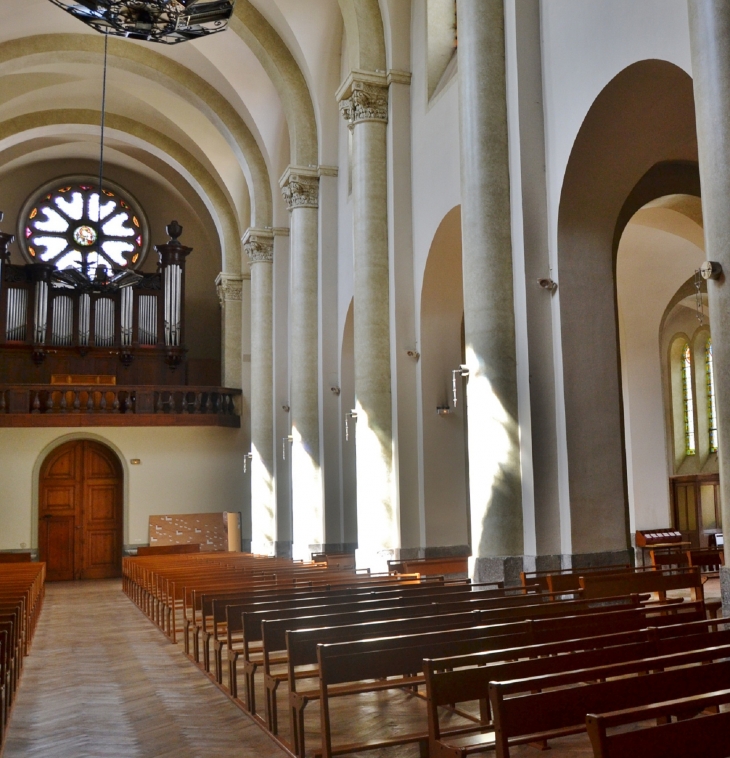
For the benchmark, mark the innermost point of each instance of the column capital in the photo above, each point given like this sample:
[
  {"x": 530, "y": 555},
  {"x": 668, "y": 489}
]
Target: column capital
[
  {"x": 258, "y": 244},
  {"x": 229, "y": 287},
  {"x": 363, "y": 96},
  {"x": 300, "y": 187}
]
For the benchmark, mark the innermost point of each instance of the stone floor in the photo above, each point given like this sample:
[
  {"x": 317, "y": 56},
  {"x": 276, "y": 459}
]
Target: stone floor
[{"x": 101, "y": 680}]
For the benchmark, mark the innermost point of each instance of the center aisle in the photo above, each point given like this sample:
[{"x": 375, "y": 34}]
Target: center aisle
[{"x": 102, "y": 681}]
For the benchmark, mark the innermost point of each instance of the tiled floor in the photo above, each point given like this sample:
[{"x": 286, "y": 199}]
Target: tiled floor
[{"x": 102, "y": 681}]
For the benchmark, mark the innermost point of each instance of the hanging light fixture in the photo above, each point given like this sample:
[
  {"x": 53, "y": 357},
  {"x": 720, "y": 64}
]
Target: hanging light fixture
[{"x": 166, "y": 21}]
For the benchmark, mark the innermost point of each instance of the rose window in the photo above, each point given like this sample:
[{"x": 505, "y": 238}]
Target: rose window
[{"x": 65, "y": 224}]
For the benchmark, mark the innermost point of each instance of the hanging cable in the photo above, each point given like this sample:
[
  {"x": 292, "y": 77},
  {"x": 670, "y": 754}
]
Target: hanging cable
[{"x": 103, "y": 122}]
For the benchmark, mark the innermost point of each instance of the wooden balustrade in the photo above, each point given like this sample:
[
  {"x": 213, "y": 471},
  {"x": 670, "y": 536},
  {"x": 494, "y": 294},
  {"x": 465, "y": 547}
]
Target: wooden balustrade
[{"x": 95, "y": 405}]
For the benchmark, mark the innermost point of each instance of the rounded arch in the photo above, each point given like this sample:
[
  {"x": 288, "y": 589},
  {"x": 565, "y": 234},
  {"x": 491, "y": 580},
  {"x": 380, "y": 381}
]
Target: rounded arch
[
  {"x": 210, "y": 191},
  {"x": 177, "y": 78},
  {"x": 283, "y": 70},
  {"x": 365, "y": 34},
  {"x": 642, "y": 119},
  {"x": 445, "y": 456},
  {"x": 59, "y": 442}
]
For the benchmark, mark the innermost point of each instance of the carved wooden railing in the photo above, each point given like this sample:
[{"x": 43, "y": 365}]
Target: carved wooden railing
[{"x": 140, "y": 405}]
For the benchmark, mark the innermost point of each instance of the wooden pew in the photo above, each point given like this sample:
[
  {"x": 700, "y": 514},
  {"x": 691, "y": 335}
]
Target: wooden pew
[
  {"x": 539, "y": 708},
  {"x": 431, "y": 566},
  {"x": 15, "y": 557},
  {"x": 708, "y": 560},
  {"x": 659, "y": 582},
  {"x": 491, "y": 610},
  {"x": 345, "y": 668},
  {"x": 232, "y": 614},
  {"x": 169, "y": 549},
  {"x": 463, "y": 678},
  {"x": 567, "y": 579},
  {"x": 706, "y": 736}
]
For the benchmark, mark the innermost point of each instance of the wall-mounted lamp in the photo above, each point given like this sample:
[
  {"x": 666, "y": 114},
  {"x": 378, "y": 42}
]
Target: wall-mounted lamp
[
  {"x": 413, "y": 354},
  {"x": 711, "y": 270},
  {"x": 444, "y": 410},
  {"x": 335, "y": 391},
  {"x": 548, "y": 284},
  {"x": 463, "y": 372},
  {"x": 349, "y": 415},
  {"x": 284, "y": 441},
  {"x": 136, "y": 462},
  {"x": 285, "y": 408},
  {"x": 246, "y": 458}
]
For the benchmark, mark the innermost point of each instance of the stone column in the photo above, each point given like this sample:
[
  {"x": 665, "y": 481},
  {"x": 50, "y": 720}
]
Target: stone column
[
  {"x": 709, "y": 22},
  {"x": 494, "y": 454},
  {"x": 258, "y": 245},
  {"x": 364, "y": 105},
  {"x": 229, "y": 287},
  {"x": 300, "y": 187}
]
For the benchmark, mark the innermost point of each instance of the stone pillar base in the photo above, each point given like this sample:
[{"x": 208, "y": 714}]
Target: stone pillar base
[
  {"x": 725, "y": 589},
  {"x": 500, "y": 568},
  {"x": 283, "y": 549}
]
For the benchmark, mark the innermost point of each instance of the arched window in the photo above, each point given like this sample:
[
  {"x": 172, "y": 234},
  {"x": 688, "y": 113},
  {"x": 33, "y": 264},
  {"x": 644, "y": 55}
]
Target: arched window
[
  {"x": 711, "y": 409},
  {"x": 65, "y": 224},
  {"x": 689, "y": 409}
]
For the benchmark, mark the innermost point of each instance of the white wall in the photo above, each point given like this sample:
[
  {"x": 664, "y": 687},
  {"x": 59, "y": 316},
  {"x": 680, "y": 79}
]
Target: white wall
[
  {"x": 652, "y": 265},
  {"x": 183, "y": 470}
]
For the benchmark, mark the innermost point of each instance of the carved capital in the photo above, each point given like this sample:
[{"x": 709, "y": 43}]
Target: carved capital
[
  {"x": 300, "y": 190},
  {"x": 367, "y": 102},
  {"x": 258, "y": 245},
  {"x": 229, "y": 287}
]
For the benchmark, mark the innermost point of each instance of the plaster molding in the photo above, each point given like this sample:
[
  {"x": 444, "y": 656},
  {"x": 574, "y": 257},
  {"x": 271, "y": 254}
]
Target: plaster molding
[
  {"x": 258, "y": 244},
  {"x": 300, "y": 187},
  {"x": 399, "y": 77},
  {"x": 328, "y": 171},
  {"x": 229, "y": 287}
]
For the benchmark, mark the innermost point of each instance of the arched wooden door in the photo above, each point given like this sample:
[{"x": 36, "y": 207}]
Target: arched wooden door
[{"x": 80, "y": 512}]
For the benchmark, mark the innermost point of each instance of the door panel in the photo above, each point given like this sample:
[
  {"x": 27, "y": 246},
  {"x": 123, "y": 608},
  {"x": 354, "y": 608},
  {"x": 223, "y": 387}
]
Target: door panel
[
  {"x": 696, "y": 507},
  {"x": 81, "y": 482},
  {"x": 57, "y": 547}
]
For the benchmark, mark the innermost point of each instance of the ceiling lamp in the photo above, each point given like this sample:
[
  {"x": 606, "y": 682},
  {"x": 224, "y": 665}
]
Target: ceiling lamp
[{"x": 168, "y": 21}]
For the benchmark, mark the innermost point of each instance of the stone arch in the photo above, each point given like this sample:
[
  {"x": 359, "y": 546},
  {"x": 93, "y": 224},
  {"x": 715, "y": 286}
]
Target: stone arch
[
  {"x": 637, "y": 142},
  {"x": 365, "y": 34},
  {"x": 213, "y": 196},
  {"x": 445, "y": 457},
  {"x": 173, "y": 75},
  {"x": 283, "y": 70}
]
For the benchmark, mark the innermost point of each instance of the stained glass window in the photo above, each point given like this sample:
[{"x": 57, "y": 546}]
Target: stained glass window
[
  {"x": 711, "y": 409},
  {"x": 68, "y": 225},
  {"x": 689, "y": 410}
]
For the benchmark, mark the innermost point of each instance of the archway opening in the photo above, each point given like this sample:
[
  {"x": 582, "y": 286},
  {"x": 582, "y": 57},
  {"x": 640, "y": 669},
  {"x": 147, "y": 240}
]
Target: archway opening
[{"x": 80, "y": 512}]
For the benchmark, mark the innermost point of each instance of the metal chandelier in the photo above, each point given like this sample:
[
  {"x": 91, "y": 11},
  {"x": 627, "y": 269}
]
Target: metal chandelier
[{"x": 166, "y": 21}]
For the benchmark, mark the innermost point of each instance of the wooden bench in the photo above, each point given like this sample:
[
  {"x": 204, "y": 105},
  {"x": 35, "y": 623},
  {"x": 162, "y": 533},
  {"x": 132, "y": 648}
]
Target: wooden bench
[
  {"x": 458, "y": 565},
  {"x": 539, "y": 708},
  {"x": 567, "y": 579},
  {"x": 348, "y": 668},
  {"x": 459, "y": 679},
  {"x": 15, "y": 557},
  {"x": 706, "y": 736},
  {"x": 653, "y": 581}
]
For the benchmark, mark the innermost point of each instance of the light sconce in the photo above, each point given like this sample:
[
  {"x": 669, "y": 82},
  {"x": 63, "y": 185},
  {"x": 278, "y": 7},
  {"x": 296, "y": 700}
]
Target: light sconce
[
  {"x": 349, "y": 415},
  {"x": 463, "y": 372},
  {"x": 285, "y": 408},
  {"x": 444, "y": 410},
  {"x": 335, "y": 391},
  {"x": 413, "y": 354}
]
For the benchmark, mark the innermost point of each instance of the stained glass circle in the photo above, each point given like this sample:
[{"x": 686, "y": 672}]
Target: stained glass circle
[{"x": 65, "y": 223}]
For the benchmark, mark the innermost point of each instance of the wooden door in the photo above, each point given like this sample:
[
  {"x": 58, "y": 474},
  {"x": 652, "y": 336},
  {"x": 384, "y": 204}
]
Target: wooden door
[
  {"x": 80, "y": 512},
  {"x": 696, "y": 510}
]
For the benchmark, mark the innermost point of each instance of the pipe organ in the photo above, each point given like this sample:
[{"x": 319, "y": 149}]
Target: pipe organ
[{"x": 53, "y": 321}]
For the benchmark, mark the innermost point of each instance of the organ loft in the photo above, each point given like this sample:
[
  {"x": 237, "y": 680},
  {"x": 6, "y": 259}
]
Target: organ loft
[{"x": 408, "y": 435}]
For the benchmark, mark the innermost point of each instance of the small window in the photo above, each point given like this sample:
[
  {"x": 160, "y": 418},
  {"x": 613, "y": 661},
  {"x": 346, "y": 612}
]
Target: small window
[
  {"x": 711, "y": 409},
  {"x": 689, "y": 410}
]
